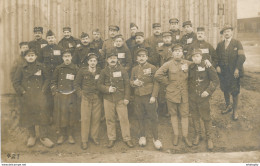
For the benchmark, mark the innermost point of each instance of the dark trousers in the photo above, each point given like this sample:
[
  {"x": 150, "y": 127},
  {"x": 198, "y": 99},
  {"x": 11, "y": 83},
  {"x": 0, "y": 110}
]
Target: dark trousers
[
  {"x": 42, "y": 128},
  {"x": 142, "y": 109}
]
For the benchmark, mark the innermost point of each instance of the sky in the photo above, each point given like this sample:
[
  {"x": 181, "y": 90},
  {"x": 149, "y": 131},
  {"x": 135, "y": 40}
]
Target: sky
[{"x": 248, "y": 8}]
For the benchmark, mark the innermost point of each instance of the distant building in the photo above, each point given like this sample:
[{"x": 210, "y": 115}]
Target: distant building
[{"x": 249, "y": 25}]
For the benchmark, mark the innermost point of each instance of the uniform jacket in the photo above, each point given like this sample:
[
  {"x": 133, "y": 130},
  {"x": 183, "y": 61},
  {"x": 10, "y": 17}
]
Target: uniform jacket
[
  {"x": 116, "y": 77},
  {"x": 233, "y": 56},
  {"x": 124, "y": 57},
  {"x": 145, "y": 73},
  {"x": 165, "y": 53},
  {"x": 155, "y": 41},
  {"x": 187, "y": 40},
  {"x": 201, "y": 79},
  {"x": 37, "y": 45},
  {"x": 71, "y": 43},
  {"x": 174, "y": 75},
  {"x": 97, "y": 44},
  {"x": 176, "y": 36},
  {"x": 50, "y": 56},
  {"x": 63, "y": 78}
]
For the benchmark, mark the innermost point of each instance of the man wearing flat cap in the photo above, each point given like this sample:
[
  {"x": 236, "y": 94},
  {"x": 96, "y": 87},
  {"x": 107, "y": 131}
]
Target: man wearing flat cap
[
  {"x": 142, "y": 43},
  {"x": 131, "y": 41},
  {"x": 229, "y": 64},
  {"x": 68, "y": 41},
  {"x": 38, "y": 41},
  {"x": 207, "y": 49},
  {"x": 155, "y": 40},
  {"x": 188, "y": 38},
  {"x": 174, "y": 29}
]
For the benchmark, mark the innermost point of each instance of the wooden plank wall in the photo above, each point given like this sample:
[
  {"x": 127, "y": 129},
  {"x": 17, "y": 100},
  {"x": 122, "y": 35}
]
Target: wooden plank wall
[{"x": 18, "y": 17}]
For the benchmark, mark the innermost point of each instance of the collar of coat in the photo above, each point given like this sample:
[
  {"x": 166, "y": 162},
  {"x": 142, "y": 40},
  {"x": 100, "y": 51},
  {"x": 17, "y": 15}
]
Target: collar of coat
[
  {"x": 202, "y": 64},
  {"x": 25, "y": 64},
  {"x": 71, "y": 65}
]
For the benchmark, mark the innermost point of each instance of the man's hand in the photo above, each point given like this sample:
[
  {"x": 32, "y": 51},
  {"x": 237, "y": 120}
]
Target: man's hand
[
  {"x": 126, "y": 102},
  {"x": 112, "y": 89},
  {"x": 138, "y": 82},
  {"x": 236, "y": 73},
  {"x": 204, "y": 94},
  {"x": 207, "y": 63},
  {"x": 218, "y": 69},
  {"x": 152, "y": 100}
]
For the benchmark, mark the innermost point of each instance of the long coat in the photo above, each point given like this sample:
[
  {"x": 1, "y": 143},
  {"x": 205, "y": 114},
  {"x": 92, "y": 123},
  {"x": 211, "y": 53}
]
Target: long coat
[{"x": 31, "y": 82}]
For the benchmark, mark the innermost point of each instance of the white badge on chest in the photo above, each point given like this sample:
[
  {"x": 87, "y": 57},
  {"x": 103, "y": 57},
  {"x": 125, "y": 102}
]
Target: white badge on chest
[
  {"x": 189, "y": 40},
  {"x": 205, "y": 51},
  {"x": 184, "y": 67},
  {"x": 177, "y": 37},
  {"x": 70, "y": 45},
  {"x": 38, "y": 73},
  {"x": 43, "y": 45},
  {"x": 147, "y": 71},
  {"x": 117, "y": 74},
  {"x": 121, "y": 55},
  {"x": 56, "y": 52},
  {"x": 96, "y": 76},
  {"x": 160, "y": 44},
  {"x": 70, "y": 77},
  {"x": 201, "y": 68}
]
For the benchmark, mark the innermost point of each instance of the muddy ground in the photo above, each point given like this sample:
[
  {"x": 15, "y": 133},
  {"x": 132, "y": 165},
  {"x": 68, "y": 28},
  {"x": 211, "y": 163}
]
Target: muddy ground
[{"x": 232, "y": 139}]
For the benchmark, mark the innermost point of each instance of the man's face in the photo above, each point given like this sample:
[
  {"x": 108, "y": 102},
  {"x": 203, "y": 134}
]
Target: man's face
[
  {"x": 174, "y": 26},
  {"x": 112, "y": 61},
  {"x": 201, "y": 35},
  {"x": 66, "y": 34},
  {"x": 112, "y": 32},
  {"x": 133, "y": 30},
  {"x": 37, "y": 35},
  {"x": 119, "y": 42},
  {"x": 167, "y": 39},
  {"x": 51, "y": 40},
  {"x": 67, "y": 58},
  {"x": 139, "y": 39},
  {"x": 85, "y": 40},
  {"x": 96, "y": 35},
  {"x": 157, "y": 31},
  {"x": 228, "y": 33},
  {"x": 177, "y": 54},
  {"x": 24, "y": 48},
  {"x": 197, "y": 58},
  {"x": 92, "y": 62},
  {"x": 30, "y": 57},
  {"x": 188, "y": 28},
  {"x": 142, "y": 57}
]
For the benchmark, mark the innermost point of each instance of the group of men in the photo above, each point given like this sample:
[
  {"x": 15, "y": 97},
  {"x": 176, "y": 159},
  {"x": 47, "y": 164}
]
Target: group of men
[{"x": 173, "y": 72}]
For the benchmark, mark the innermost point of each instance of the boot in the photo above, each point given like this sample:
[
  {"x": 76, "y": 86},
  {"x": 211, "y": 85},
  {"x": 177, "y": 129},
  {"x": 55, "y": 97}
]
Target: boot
[
  {"x": 235, "y": 103},
  {"x": 187, "y": 142},
  {"x": 31, "y": 141},
  {"x": 60, "y": 140},
  {"x": 197, "y": 127},
  {"x": 210, "y": 144},
  {"x": 175, "y": 140},
  {"x": 228, "y": 105},
  {"x": 208, "y": 127}
]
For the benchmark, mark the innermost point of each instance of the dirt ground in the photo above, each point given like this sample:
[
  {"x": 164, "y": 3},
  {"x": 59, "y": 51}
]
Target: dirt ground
[{"x": 234, "y": 141}]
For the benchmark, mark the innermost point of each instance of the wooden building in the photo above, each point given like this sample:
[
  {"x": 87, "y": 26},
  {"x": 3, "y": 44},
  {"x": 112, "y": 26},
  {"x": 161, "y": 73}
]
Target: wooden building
[{"x": 18, "y": 17}]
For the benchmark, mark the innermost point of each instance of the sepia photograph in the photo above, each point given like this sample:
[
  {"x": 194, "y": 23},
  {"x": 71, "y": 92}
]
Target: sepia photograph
[{"x": 130, "y": 81}]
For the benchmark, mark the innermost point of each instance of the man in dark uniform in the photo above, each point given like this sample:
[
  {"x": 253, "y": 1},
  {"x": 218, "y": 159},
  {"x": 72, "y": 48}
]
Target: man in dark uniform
[
  {"x": 229, "y": 64},
  {"x": 176, "y": 32},
  {"x": 38, "y": 41},
  {"x": 141, "y": 43},
  {"x": 97, "y": 41},
  {"x": 156, "y": 41},
  {"x": 207, "y": 49},
  {"x": 202, "y": 82},
  {"x": 188, "y": 38},
  {"x": 80, "y": 57},
  {"x": 131, "y": 41},
  {"x": 68, "y": 41}
]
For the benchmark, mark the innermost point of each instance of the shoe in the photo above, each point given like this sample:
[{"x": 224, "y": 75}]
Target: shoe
[
  {"x": 187, "y": 142},
  {"x": 95, "y": 141},
  {"x": 142, "y": 141},
  {"x": 31, "y": 141},
  {"x": 84, "y": 145},
  {"x": 71, "y": 140},
  {"x": 197, "y": 140},
  {"x": 129, "y": 144},
  {"x": 60, "y": 140},
  {"x": 47, "y": 142},
  {"x": 175, "y": 140},
  {"x": 157, "y": 144},
  {"x": 111, "y": 143},
  {"x": 235, "y": 116},
  {"x": 228, "y": 109},
  {"x": 210, "y": 144}
]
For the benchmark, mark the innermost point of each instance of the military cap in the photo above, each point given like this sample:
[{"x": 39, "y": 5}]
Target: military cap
[
  {"x": 166, "y": 34},
  {"x": 96, "y": 30},
  {"x": 119, "y": 36},
  {"x": 133, "y": 25},
  {"x": 173, "y": 20},
  {"x": 141, "y": 49},
  {"x": 23, "y": 43},
  {"x": 225, "y": 28},
  {"x": 196, "y": 51},
  {"x": 114, "y": 27},
  {"x": 31, "y": 50},
  {"x": 200, "y": 29},
  {"x": 186, "y": 23},
  {"x": 176, "y": 47},
  {"x": 92, "y": 55},
  {"x": 156, "y": 25},
  {"x": 49, "y": 33},
  {"x": 111, "y": 54},
  {"x": 139, "y": 34},
  {"x": 83, "y": 35},
  {"x": 66, "y": 29},
  {"x": 38, "y": 29},
  {"x": 66, "y": 51}
]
